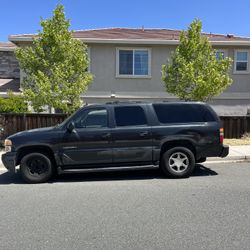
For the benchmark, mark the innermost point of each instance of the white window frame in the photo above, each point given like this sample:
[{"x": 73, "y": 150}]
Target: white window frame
[
  {"x": 222, "y": 51},
  {"x": 235, "y": 62},
  {"x": 133, "y": 76}
]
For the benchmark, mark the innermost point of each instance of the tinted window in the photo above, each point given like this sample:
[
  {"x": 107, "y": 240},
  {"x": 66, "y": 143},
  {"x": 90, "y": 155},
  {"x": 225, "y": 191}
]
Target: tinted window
[
  {"x": 179, "y": 113},
  {"x": 130, "y": 116},
  {"x": 207, "y": 115},
  {"x": 95, "y": 118}
]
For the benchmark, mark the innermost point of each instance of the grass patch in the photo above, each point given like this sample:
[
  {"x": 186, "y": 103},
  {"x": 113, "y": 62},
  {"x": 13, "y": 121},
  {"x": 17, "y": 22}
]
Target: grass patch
[
  {"x": 244, "y": 140},
  {"x": 237, "y": 142}
]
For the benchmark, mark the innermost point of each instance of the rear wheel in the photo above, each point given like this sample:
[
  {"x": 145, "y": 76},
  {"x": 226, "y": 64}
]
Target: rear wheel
[
  {"x": 178, "y": 162},
  {"x": 36, "y": 168}
]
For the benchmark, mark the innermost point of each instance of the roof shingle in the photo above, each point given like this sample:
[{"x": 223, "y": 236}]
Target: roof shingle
[
  {"x": 143, "y": 34},
  {"x": 7, "y": 45}
]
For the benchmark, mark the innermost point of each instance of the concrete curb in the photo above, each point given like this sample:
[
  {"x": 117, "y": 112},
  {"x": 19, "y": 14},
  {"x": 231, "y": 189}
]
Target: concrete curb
[
  {"x": 230, "y": 158},
  {"x": 225, "y": 160}
]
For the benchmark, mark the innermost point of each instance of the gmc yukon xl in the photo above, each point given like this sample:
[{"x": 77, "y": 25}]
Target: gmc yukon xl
[{"x": 119, "y": 136}]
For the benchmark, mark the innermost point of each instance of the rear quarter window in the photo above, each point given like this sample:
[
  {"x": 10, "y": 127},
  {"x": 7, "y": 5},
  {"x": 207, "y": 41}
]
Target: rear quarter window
[{"x": 181, "y": 113}]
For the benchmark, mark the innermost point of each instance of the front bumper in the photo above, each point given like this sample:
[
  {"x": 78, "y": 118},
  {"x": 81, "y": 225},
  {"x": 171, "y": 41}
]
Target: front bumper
[
  {"x": 224, "y": 151},
  {"x": 9, "y": 161}
]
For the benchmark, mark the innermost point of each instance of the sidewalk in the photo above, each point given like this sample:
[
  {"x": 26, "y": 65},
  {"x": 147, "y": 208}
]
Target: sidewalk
[{"x": 236, "y": 154}]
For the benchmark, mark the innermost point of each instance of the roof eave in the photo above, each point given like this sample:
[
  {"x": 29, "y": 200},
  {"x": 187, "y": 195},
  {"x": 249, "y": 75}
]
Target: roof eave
[
  {"x": 231, "y": 43},
  {"x": 129, "y": 41},
  {"x": 7, "y": 49},
  {"x": 136, "y": 41},
  {"x": 157, "y": 41},
  {"x": 15, "y": 39}
]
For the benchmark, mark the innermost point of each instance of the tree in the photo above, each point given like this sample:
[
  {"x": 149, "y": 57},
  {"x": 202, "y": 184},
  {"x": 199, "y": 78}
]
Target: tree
[
  {"x": 194, "y": 73},
  {"x": 55, "y": 66}
]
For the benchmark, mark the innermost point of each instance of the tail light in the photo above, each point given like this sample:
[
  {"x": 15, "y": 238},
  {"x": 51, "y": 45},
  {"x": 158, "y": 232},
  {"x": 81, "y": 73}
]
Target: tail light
[{"x": 221, "y": 135}]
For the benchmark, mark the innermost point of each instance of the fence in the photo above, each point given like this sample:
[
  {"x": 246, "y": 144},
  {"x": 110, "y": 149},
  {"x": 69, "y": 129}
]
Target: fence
[
  {"x": 13, "y": 123},
  {"x": 234, "y": 126}
]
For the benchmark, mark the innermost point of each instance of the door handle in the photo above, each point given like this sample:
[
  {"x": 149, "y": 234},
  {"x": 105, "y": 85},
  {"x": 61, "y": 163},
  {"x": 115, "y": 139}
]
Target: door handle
[
  {"x": 106, "y": 135},
  {"x": 144, "y": 133}
]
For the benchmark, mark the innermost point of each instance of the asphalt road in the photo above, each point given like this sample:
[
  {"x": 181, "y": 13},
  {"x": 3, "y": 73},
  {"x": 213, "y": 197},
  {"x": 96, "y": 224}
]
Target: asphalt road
[{"x": 129, "y": 210}]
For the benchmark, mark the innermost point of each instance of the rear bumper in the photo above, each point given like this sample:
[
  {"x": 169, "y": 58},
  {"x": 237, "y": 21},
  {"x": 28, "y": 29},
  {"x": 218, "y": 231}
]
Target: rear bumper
[
  {"x": 217, "y": 150},
  {"x": 224, "y": 151},
  {"x": 9, "y": 161}
]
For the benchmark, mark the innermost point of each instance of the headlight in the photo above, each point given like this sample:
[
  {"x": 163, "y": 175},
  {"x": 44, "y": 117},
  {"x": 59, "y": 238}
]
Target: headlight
[{"x": 7, "y": 145}]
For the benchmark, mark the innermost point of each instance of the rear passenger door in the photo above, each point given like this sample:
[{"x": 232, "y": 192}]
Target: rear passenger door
[{"x": 131, "y": 135}]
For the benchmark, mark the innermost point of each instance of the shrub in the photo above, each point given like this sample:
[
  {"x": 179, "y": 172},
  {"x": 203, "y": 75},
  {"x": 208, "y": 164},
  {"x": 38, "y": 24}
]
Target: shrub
[{"x": 13, "y": 104}]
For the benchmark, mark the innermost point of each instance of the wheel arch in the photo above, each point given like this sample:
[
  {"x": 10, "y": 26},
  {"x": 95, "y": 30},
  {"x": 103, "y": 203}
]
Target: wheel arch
[
  {"x": 44, "y": 149},
  {"x": 177, "y": 143}
]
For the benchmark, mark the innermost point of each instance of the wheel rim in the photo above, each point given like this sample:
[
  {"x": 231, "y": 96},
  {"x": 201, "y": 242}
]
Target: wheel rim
[
  {"x": 37, "y": 166},
  {"x": 178, "y": 162}
]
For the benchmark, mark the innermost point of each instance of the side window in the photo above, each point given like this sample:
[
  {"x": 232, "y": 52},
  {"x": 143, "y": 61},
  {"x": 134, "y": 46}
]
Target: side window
[
  {"x": 130, "y": 116},
  {"x": 93, "y": 118},
  {"x": 207, "y": 115},
  {"x": 179, "y": 113}
]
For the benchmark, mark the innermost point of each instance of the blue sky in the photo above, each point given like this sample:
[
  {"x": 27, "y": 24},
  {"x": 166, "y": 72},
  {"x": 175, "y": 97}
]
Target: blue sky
[{"x": 221, "y": 16}]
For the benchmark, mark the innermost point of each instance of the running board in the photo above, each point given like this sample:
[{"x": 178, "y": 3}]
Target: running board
[{"x": 107, "y": 169}]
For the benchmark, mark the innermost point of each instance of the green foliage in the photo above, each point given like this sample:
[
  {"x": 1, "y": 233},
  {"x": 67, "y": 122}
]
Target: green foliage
[
  {"x": 55, "y": 66},
  {"x": 13, "y": 104},
  {"x": 194, "y": 73}
]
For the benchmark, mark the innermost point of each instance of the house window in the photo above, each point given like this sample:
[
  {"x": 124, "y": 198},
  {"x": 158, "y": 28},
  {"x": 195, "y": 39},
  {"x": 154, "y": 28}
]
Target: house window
[
  {"x": 220, "y": 54},
  {"x": 241, "y": 61},
  {"x": 133, "y": 62}
]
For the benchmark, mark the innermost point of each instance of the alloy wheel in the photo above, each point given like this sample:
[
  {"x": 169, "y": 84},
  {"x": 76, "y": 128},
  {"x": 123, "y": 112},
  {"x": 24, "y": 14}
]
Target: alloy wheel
[{"x": 178, "y": 162}]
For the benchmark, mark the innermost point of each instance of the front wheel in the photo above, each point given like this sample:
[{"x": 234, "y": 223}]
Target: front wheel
[
  {"x": 36, "y": 168},
  {"x": 178, "y": 162}
]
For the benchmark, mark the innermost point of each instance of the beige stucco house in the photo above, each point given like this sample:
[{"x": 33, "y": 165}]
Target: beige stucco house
[{"x": 126, "y": 64}]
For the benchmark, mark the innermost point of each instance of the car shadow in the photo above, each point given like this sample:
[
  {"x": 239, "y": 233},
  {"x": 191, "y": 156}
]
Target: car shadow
[
  {"x": 7, "y": 178},
  {"x": 201, "y": 170}
]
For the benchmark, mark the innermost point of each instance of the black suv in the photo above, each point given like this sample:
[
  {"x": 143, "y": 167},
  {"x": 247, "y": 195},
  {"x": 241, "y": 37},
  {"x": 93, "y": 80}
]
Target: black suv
[{"x": 119, "y": 136}]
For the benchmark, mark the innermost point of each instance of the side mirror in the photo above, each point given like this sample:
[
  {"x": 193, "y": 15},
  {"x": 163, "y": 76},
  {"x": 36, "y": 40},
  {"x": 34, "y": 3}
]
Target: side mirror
[{"x": 70, "y": 127}]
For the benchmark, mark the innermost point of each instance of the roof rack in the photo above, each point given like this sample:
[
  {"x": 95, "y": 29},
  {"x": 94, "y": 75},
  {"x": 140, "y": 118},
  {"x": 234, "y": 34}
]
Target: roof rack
[{"x": 123, "y": 102}]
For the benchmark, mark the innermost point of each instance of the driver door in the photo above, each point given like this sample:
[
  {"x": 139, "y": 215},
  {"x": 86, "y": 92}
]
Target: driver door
[{"x": 90, "y": 141}]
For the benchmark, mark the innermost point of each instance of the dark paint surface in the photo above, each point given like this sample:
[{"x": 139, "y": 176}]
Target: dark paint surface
[{"x": 87, "y": 146}]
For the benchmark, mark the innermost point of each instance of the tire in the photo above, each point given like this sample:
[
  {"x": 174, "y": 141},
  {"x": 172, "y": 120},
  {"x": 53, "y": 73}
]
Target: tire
[
  {"x": 36, "y": 168},
  {"x": 201, "y": 160},
  {"x": 178, "y": 162}
]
